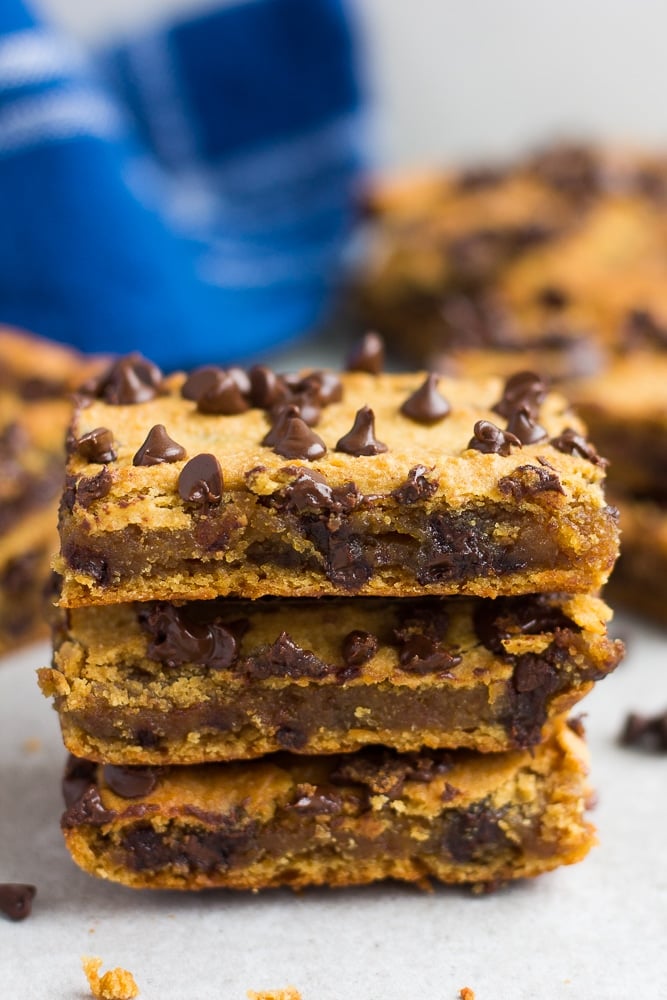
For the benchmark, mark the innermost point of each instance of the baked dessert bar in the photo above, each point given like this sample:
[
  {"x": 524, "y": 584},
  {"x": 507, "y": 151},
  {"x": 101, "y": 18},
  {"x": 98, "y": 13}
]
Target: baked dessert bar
[
  {"x": 220, "y": 680},
  {"x": 454, "y": 816},
  {"x": 639, "y": 581},
  {"x": 251, "y": 484}
]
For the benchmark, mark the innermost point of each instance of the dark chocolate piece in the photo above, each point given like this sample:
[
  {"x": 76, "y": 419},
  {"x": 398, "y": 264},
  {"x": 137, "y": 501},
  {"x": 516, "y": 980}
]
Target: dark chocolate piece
[
  {"x": 222, "y": 396},
  {"x": 358, "y": 647},
  {"x": 158, "y": 448},
  {"x": 522, "y": 389},
  {"x": 97, "y": 446},
  {"x": 130, "y": 782},
  {"x": 572, "y": 443},
  {"x": 524, "y": 427},
  {"x": 367, "y": 355},
  {"x": 361, "y": 440},
  {"x": 200, "y": 481},
  {"x": 299, "y": 441},
  {"x": 490, "y": 439},
  {"x": 645, "y": 732},
  {"x": 426, "y": 405},
  {"x": 181, "y": 635},
  {"x": 527, "y": 480},
  {"x": 92, "y": 488},
  {"x": 416, "y": 487},
  {"x": 16, "y": 899}
]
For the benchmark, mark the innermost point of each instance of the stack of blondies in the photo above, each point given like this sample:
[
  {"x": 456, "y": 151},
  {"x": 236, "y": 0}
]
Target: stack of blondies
[{"x": 323, "y": 629}]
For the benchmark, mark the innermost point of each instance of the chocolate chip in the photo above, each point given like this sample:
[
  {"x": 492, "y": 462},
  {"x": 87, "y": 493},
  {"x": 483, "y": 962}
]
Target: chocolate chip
[
  {"x": 285, "y": 659},
  {"x": 490, "y": 439},
  {"x": 92, "y": 488},
  {"x": 416, "y": 487},
  {"x": 310, "y": 491},
  {"x": 504, "y": 617},
  {"x": 358, "y": 647},
  {"x": 307, "y": 403},
  {"x": 279, "y": 425},
  {"x": 326, "y": 386},
  {"x": 551, "y": 297},
  {"x": 470, "y": 832},
  {"x": 426, "y": 405},
  {"x": 89, "y": 810},
  {"x": 522, "y": 389},
  {"x": 384, "y": 772},
  {"x": 290, "y": 738},
  {"x": 16, "y": 899},
  {"x": 158, "y": 448},
  {"x": 266, "y": 388},
  {"x": 524, "y": 427},
  {"x": 313, "y": 801},
  {"x": 572, "y": 443},
  {"x": 198, "y": 381},
  {"x": 367, "y": 355},
  {"x": 130, "y": 782},
  {"x": 361, "y": 440},
  {"x": 222, "y": 396},
  {"x": 132, "y": 379},
  {"x": 97, "y": 446},
  {"x": 184, "y": 635},
  {"x": 79, "y": 775},
  {"x": 645, "y": 732},
  {"x": 528, "y": 480},
  {"x": 419, "y": 654},
  {"x": 200, "y": 481},
  {"x": 298, "y": 441}
]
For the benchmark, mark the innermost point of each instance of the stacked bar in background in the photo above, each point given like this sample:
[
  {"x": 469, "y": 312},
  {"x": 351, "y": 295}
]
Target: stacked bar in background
[
  {"x": 323, "y": 630},
  {"x": 36, "y": 380},
  {"x": 558, "y": 262}
]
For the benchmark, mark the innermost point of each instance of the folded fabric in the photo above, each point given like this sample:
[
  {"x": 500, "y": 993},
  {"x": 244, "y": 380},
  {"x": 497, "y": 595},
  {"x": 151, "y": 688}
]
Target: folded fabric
[{"x": 188, "y": 193}]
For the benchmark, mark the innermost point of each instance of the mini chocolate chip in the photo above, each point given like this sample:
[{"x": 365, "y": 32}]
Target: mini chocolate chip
[
  {"x": 358, "y": 647},
  {"x": 490, "y": 439},
  {"x": 298, "y": 441},
  {"x": 266, "y": 388},
  {"x": 198, "y": 381},
  {"x": 552, "y": 297},
  {"x": 158, "y": 448},
  {"x": 367, "y": 355},
  {"x": 130, "y": 782},
  {"x": 279, "y": 425},
  {"x": 200, "y": 481},
  {"x": 524, "y": 427},
  {"x": 93, "y": 488},
  {"x": 361, "y": 439},
  {"x": 522, "y": 389},
  {"x": 646, "y": 732},
  {"x": 16, "y": 899},
  {"x": 426, "y": 405},
  {"x": 97, "y": 446},
  {"x": 222, "y": 396},
  {"x": 416, "y": 487},
  {"x": 132, "y": 379},
  {"x": 572, "y": 443}
]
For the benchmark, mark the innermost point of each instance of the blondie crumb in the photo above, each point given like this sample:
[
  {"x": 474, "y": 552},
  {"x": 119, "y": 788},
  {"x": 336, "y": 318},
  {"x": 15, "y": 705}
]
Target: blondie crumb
[
  {"x": 465, "y": 993},
  {"x": 289, "y": 993},
  {"x": 116, "y": 984}
]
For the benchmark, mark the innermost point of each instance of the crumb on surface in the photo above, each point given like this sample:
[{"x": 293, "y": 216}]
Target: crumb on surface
[
  {"x": 32, "y": 745},
  {"x": 465, "y": 993},
  {"x": 116, "y": 984},
  {"x": 289, "y": 993}
]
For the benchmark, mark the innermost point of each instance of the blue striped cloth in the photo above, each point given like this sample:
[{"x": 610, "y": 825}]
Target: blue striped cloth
[{"x": 188, "y": 193}]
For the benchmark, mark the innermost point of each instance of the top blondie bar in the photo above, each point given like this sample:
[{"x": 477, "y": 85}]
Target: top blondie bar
[{"x": 228, "y": 482}]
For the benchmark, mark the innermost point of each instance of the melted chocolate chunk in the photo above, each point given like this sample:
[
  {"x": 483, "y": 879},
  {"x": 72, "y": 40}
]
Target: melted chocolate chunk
[
  {"x": 419, "y": 654},
  {"x": 198, "y": 381},
  {"x": 158, "y": 448},
  {"x": 79, "y": 775},
  {"x": 16, "y": 899},
  {"x": 472, "y": 831},
  {"x": 645, "y": 732},
  {"x": 361, "y": 440},
  {"x": 528, "y": 480},
  {"x": 184, "y": 635},
  {"x": 130, "y": 782},
  {"x": 310, "y": 491},
  {"x": 97, "y": 446},
  {"x": 523, "y": 389},
  {"x": 524, "y": 427},
  {"x": 313, "y": 801},
  {"x": 290, "y": 738},
  {"x": 384, "y": 772},
  {"x": 490, "y": 439},
  {"x": 87, "y": 561},
  {"x": 200, "y": 481},
  {"x": 426, "y": 405},
  {"x": 87, "y": 811},
  {"x": 285, "y": 659},
  {"x": 222, "y": 396},
  {"x": 504, "y": 617},
  {"x": 132, "y": 379},
  {"x": 367, "y": 355},
  {"x": 358, "y": 647},
  {"x": 416, "y": 487},
  {"x": 298, "y": 441},
  {"x": 149, "y": 850},
  {"x": 92, "y": 488},
  {"x": 572, "y": 443}
]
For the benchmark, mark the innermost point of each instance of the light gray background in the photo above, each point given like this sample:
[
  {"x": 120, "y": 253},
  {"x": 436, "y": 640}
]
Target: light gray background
[{"x": 460, "y": 78}]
